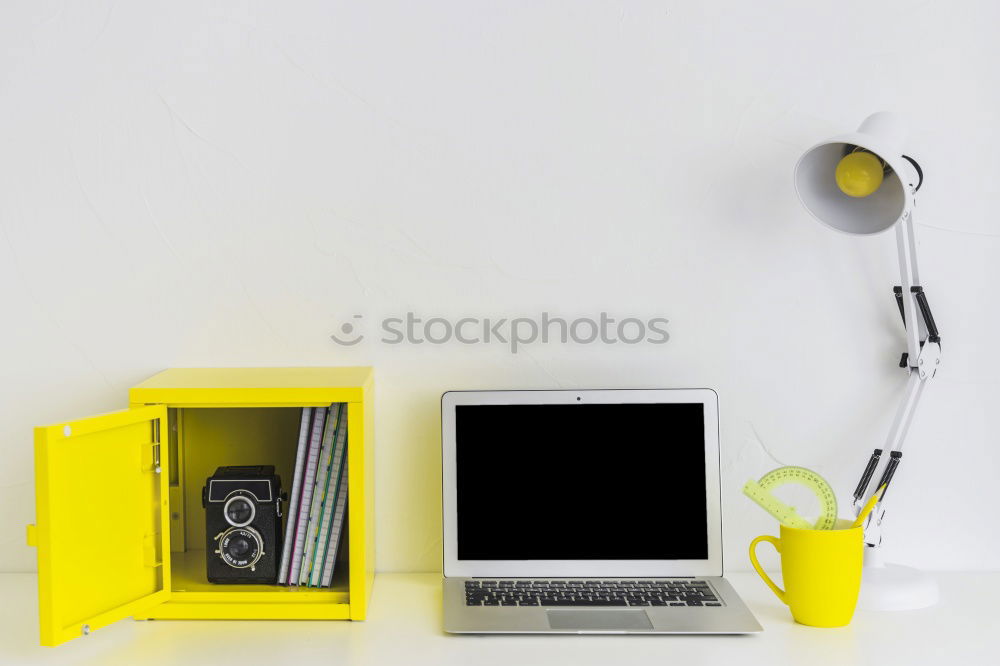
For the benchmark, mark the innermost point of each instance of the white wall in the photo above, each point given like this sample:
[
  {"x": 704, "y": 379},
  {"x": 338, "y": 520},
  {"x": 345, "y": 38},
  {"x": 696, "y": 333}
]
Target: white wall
[{"x": 201, "y": 183}]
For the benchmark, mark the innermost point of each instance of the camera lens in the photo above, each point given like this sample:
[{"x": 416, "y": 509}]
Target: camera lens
[
  {"x": 239, "y": 511},
  {"x": 241, "y": 547},
  {"x": 238, "y": 547}
]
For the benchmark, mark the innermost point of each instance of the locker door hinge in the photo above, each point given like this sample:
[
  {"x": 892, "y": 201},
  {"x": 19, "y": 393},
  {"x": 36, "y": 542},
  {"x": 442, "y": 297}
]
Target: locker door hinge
[{"x": 156, "y": 446}]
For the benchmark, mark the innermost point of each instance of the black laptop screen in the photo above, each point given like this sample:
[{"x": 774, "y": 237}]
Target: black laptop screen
[{"x": 581, "y": 482}]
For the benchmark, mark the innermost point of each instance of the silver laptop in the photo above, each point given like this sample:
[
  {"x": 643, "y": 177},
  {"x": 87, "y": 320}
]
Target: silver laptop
[{"x": 585, "y": 512}]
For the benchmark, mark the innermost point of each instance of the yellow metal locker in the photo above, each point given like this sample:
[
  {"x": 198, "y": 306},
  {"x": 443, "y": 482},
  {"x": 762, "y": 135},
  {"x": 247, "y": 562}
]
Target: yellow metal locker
[{"x": 120, "y": 525}]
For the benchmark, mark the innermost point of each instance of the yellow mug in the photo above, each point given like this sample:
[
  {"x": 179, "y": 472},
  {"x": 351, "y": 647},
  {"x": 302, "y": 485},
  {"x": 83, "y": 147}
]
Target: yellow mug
[{"x": 821, "y": 570}]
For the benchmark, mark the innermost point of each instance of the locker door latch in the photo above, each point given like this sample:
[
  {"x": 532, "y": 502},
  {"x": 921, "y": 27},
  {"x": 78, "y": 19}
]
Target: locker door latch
[{"x": 156, "y": 446}]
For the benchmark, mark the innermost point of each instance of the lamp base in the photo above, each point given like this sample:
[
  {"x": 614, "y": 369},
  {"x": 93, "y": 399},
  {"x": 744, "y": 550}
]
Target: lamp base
[{"x": 893, "y": 587}]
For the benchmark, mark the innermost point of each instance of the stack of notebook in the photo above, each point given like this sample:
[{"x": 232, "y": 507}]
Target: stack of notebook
[{"x": 318, "y": 501}]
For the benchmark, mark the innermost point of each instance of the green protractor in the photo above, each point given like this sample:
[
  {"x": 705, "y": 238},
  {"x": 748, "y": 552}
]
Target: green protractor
[{"x": 761, "y": 493}]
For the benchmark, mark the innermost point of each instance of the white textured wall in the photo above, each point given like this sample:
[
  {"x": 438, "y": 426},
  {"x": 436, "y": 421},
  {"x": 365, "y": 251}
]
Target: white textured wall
[{"x": 209, "y": 183}]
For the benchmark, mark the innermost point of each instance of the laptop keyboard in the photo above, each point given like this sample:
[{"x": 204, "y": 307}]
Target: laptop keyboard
[{"x": 687, "y": 592}]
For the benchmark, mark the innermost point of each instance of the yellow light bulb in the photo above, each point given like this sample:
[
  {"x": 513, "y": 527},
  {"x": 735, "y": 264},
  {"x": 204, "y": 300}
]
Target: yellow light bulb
[{"x": 859, "y": 174}]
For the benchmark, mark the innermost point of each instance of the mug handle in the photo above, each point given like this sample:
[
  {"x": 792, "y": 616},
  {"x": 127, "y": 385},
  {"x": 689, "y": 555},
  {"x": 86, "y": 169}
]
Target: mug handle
[{"x": 774, "y": 541}]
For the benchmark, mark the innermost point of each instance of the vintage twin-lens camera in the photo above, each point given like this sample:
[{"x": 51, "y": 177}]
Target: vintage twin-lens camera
[{"x": 243, "y": 524}]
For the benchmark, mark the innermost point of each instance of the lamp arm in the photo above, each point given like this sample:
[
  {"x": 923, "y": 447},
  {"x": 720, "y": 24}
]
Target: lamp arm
[
  {"x": 921, "y": 360},
  {"x": 909, "y": 278},
  {"x": 923, "y": 343}
]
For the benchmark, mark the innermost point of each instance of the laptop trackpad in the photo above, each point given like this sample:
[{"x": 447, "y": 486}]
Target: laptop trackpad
[{"x": 607, "y": 620}]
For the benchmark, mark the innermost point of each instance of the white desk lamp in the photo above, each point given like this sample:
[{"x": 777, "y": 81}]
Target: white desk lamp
[{"x": 862, "y": 183}]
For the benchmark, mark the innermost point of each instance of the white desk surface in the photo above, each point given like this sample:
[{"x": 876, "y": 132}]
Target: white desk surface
[{"x": 404, "y": 627}]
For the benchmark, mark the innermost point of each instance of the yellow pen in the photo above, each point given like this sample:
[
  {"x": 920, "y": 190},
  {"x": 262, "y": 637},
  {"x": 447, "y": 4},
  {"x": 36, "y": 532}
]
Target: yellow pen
[{"x": 869, "y": 505}]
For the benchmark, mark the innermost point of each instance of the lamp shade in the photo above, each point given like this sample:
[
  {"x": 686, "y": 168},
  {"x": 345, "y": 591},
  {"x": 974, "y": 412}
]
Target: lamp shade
[{"x": 882, "y": 134}]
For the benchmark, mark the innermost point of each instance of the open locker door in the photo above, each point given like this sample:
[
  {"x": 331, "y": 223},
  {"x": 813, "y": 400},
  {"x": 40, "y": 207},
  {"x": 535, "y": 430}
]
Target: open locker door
[{"x": 102, "y": 529}]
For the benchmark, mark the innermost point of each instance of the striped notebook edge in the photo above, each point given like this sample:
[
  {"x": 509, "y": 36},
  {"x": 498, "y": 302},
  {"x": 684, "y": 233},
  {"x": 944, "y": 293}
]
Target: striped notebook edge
[
  {"x": 329, "y": 506},
  {"x": 293, "y": 505}
]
